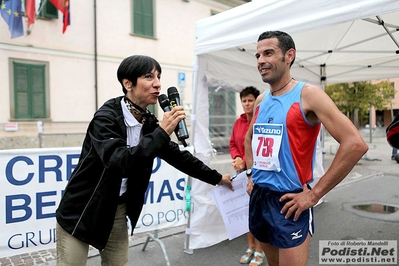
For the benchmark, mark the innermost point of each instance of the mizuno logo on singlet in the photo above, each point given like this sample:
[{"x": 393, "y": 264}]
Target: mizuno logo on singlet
[{"x": 267, "y": 130}]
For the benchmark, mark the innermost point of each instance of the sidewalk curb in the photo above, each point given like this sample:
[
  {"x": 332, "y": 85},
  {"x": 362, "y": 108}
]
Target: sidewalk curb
[{"x": 341, "y": 184}]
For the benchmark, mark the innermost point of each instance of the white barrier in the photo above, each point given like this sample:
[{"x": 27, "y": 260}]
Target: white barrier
[{"x": 31, "y": 186}]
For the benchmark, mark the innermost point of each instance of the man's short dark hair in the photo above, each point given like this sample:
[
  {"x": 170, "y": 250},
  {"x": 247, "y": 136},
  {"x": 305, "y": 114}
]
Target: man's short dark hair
[{"x": 285, "y": 41}]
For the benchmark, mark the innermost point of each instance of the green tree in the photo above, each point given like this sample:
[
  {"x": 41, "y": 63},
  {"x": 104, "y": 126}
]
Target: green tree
[{"x": 354, "y": 99}]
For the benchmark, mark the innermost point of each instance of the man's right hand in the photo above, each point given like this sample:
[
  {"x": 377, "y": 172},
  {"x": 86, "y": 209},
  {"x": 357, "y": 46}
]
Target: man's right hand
[{"x": 250, "y": 186}]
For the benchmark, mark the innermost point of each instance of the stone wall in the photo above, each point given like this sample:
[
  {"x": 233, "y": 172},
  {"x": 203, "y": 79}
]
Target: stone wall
[
  {"x": 54, "y": 134},
  {"x": 42, "y": 141}
]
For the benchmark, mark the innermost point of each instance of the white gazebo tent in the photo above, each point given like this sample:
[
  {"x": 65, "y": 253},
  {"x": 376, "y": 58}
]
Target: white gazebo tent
[{"x": 336, "y": 41}]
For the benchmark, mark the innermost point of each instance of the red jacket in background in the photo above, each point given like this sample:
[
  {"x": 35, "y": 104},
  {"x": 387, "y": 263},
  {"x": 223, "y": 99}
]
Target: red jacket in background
[{"x": 237, "y": 138}]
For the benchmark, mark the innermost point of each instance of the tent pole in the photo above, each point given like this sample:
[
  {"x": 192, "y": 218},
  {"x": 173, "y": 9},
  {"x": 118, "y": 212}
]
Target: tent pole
[
  {"x": 381, "y": 22},
  {"x": 323, "y": 79},
  {"x": 189, "y": 205},
  {"x": 391, "y": 105},
  {"x": 371, "y": 123}
]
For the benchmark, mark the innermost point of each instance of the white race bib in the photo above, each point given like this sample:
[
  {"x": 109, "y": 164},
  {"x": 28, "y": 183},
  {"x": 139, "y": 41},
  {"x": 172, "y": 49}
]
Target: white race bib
[{"x": 266, "y": 143}]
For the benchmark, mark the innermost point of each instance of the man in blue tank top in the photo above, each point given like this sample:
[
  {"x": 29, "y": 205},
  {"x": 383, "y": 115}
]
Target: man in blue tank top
[{"x": 280, "y": 149}]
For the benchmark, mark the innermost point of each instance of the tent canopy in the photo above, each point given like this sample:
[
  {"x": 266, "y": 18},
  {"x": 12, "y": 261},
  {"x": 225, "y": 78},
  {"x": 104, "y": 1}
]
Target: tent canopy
[
  {"x": 336, "y": 41},
  {"x": 339, "y": 40}
]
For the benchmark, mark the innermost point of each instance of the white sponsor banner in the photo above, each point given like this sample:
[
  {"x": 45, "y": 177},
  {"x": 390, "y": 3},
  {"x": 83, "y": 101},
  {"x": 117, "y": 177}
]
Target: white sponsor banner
[
  {"x": 32, "y": 183},
  {"x": 164, "y": 204}
]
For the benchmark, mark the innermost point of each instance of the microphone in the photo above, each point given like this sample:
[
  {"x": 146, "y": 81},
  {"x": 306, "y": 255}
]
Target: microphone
[
  {"x": 164, "y": 103},
  {"x": 166, "y": 107},
  {"x": 174, "y": 99}
]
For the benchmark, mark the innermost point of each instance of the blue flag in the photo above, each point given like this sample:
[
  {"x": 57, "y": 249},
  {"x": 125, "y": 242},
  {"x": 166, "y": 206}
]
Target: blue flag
[{"x": 11, "y": 12}]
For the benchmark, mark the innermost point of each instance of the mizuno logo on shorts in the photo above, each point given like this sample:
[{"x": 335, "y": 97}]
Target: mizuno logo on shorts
[{"x": 296, "y": 235}]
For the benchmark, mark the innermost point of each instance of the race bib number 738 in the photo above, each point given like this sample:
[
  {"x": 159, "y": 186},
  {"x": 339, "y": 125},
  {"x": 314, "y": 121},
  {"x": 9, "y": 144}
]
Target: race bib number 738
[{"x": 266, "y": 143}]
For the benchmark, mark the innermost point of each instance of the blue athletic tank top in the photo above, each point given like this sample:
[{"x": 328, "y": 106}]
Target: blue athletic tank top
[{"x": 284, "y": 142}]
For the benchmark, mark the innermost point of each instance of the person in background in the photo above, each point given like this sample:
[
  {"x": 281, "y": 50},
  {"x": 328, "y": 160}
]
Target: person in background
[
  {"x": 394, "y": 153},
  {"x": 115, "y": 165},
  {"x": 392, "y": 133},
  {"x": 254, "y": 254},
  {"x": 280, "y": 149}
]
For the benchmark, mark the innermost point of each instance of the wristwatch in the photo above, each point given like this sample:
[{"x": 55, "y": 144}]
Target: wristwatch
[{"x": 249, "y": 172}]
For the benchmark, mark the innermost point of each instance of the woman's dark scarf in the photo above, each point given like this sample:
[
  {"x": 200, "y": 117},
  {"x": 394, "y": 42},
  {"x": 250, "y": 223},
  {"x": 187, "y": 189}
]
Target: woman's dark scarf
[{"x": 149, "y": 121}]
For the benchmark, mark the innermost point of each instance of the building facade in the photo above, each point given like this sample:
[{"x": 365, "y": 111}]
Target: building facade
[{"x": 52, "y": 82}]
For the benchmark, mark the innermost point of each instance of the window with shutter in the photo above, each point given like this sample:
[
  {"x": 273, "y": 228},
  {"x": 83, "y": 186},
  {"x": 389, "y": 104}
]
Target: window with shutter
[
  {"x": 29, "y": 91},
  {"x": 143, "y": 18},
  {"x": 49, "y": 10}
]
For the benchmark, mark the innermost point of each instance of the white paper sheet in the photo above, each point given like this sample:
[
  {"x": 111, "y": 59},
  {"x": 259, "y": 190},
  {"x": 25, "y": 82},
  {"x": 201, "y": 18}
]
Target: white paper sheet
[{"x": 233, "y": 206}]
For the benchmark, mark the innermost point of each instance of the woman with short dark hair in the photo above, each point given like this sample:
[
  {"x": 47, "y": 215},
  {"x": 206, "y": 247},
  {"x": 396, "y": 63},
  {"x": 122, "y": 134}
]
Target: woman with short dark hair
[{"x": 115, "y": 165}]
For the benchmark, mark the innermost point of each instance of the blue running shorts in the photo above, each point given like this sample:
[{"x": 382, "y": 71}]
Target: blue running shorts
[{"x": 268, "y": 225}]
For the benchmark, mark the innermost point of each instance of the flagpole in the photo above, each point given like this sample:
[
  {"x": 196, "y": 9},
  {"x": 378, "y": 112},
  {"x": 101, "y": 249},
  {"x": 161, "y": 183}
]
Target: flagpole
[{"x": 43, "y": 2}]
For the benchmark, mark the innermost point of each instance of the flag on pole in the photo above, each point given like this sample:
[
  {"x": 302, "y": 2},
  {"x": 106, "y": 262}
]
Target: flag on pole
[
  {"x": 67, "y": 17},
  {"x": 11, "y": 13},
  {"x": 63, "y": 6},
  {"x": 31, "y": 11}
]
